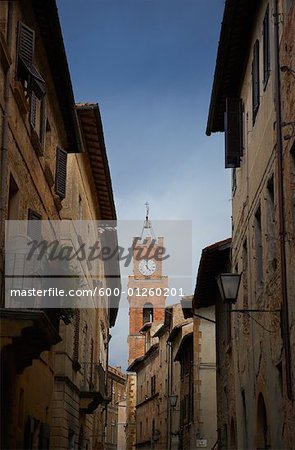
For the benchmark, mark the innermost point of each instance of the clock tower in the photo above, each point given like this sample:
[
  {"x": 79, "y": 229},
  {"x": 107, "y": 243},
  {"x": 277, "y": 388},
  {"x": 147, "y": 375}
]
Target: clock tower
[{"x": 146, "y": 287}]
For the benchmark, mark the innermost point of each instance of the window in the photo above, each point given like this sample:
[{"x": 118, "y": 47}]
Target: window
[
  {"x": 266, "y": 48},
  {"x": 246, "y": 318},
  {"x": 233, "y": 124},
  {"x": 255, "y": 81},
  {"x": 34, "y": 225},
  {"x": 271, "y": 223},
  {"x": 153, "y": 385},
  {"x": 13, "y": 199},
  {"x": 80, "y": 208},
  {"x": 258, "y": 247},
  {"x": 61, "y": 172},
  {"x": 148, "y": 313}
]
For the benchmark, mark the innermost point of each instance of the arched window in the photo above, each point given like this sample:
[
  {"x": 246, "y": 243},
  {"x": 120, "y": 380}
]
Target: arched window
[
  {"x": 263, "y": 440},
  {"x": 148, "y": 313}
]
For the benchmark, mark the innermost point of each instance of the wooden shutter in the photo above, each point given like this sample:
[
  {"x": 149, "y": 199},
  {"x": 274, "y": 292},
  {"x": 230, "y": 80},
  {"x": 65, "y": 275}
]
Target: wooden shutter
[
  {"x": 26, "y": 43},
  {"x": 26, "y": 70},
  {"x": 233, "y": 132},
  {"x": 33, "y": 109},
  {"x": 255, "y": 81},
  {"x": 266, "y": 49},
  {"x": 34, "y": 224},
  {"x": 61, "y": 172}
]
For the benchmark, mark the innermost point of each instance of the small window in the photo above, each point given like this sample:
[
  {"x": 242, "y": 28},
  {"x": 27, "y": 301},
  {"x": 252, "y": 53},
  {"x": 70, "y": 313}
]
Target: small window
[
  {"x": 233, "y": 124},
  {"x": 61, "y": 172},
  {"x": 153, "y": 385},
  {"x": 255, "y": 81},
  {"x": 148, "y": 313},
  {"x": 13, "y": 199},
  {"x": 266, "y": 48},
  {"x": 258, "y": 247},
  {"x": 271, "y": 222}
]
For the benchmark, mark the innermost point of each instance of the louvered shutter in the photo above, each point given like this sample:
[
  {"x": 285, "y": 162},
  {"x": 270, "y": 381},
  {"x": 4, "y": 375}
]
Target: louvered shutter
[
  {"x": 26, "y": 70},
  {"x": 255, "y": 81},
  {"x": 233, "y": 132},
  {"x": 61, "y": 172},
  {"x": 33, "y": 109},
  {"x": 26, "y": 43},
  {"x": 34, "y": 225}
]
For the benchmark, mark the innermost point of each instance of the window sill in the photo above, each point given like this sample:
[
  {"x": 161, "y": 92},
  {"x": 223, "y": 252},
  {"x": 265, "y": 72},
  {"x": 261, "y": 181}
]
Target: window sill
[{"x": 5, "y": 57}]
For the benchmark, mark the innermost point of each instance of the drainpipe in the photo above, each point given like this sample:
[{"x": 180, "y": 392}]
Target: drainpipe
[
  {"x": 281, "y": 205},
  {"x": 4, "y": 149}
]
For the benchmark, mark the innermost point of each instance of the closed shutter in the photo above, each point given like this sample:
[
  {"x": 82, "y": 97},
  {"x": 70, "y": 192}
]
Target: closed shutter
[
  {"x": 233, "y": 123},
  {"x": 33, "y": 109},
  {"x": 255, "y": 81},
  {"x": 61, "y": 172}
]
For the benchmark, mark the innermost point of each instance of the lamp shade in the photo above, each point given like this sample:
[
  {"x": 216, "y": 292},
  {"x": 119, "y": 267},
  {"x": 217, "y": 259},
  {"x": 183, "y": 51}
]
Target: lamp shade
[
  {"x": 173, "y": 400},
  {"x": 228, "y": 284}
]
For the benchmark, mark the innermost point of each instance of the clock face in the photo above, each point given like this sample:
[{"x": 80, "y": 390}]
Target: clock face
[{"x": 147, "y": 267}]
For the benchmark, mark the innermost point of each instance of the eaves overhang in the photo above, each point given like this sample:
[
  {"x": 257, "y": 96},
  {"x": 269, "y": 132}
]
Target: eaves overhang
[
  {"x": 137, "y": 363},
  {"x": 183, "y": 345},
  {"x": 215, "y": 259},
  {"x": 46, "y": 15},
  {"x": 91, "y": 125},
  {"x": 233, "y": 50}
]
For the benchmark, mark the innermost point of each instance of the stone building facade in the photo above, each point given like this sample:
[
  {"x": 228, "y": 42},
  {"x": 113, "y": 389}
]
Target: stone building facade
[
  {"x": 53, "y": 382},
  {"x": 215, "y": 259},
  {"x": 116, "y": 410},
  {"x": 254, "y": 86}
]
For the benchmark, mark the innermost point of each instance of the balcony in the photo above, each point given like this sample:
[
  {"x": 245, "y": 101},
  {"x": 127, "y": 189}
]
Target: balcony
[
  {"x": 26, "y": 333},
  {"x": 93, "y": 390}
]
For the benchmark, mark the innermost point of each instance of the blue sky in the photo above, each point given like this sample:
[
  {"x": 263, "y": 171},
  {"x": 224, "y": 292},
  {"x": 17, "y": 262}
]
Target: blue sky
[{"x": 149, "y": 64}]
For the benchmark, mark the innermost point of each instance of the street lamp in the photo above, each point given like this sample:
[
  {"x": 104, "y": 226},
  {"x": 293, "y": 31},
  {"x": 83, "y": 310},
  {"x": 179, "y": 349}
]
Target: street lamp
[
  {"x": 173, "y": 400},
  {"x": 228, "y": 285}
]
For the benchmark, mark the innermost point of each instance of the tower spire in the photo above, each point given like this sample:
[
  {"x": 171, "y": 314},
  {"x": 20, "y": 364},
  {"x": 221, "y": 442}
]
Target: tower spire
[{"x": 147, "y": 229}]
